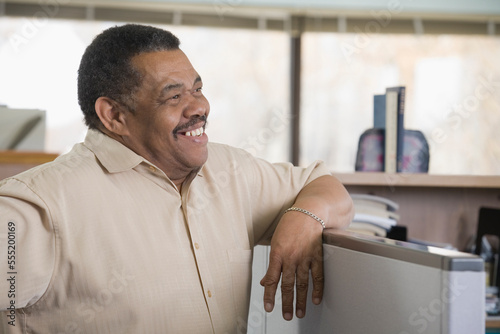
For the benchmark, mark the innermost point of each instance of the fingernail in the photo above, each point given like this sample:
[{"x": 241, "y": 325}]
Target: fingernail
[
  {"x": 300, "y": 313},
  {"x": 316, "y": 301},
  {"x": 268, "y": 307},
  {"x": 287, "y": 316}
]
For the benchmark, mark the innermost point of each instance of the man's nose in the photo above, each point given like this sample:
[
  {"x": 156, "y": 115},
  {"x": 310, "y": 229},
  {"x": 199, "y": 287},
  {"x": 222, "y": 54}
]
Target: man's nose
[{"x": 196, "y": 106}]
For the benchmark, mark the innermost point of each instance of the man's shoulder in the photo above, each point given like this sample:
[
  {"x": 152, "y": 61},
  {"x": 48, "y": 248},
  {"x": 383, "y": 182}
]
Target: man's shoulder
[{"x": 62, "y": 169}]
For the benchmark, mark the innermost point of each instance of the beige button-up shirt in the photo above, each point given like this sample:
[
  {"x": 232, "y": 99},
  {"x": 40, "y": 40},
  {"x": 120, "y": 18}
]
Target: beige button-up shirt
[{"x": 101, "y": 241}]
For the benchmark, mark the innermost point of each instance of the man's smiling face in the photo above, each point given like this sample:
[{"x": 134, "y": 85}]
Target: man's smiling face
[{"x": 168, "y": 124}]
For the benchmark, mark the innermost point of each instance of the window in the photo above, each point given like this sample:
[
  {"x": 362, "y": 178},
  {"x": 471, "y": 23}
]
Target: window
[
  {"x": 452, "y": 96},
  {"x": 452, "y": 81},
  {"x": 245, "y": 75}
]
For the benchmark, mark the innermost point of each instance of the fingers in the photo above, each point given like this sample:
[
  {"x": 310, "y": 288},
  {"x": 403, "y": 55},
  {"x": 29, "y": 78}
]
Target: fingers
[
  {"x": 301, "y": 285},
  {"x": 294, "y": 283},
  {"x": 270, "y": 283},
  {"x": 317, "y": 280},
  {"x": 293, "y": 279},
  {"x": 287, "y": 292}
]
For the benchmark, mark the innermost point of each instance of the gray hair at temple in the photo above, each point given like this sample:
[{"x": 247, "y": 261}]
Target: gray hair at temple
[{"x": 106, "y": 68}]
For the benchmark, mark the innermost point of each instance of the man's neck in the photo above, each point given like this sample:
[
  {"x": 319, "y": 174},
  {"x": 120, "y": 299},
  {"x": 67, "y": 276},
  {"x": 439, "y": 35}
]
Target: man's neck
[{"x": 177, "y": 180}]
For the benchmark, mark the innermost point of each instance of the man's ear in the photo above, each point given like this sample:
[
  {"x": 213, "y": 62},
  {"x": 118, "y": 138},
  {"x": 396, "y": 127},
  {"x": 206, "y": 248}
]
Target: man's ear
[{"x": 111, "y": 115}]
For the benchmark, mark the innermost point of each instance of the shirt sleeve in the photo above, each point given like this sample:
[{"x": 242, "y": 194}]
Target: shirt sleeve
[
  {"x": 276, "y": 187},
  {"x": 27, "y": 255}
]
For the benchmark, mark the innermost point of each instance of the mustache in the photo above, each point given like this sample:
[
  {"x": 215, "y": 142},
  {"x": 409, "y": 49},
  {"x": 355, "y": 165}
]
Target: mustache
[{"x": 190, "y": 123}]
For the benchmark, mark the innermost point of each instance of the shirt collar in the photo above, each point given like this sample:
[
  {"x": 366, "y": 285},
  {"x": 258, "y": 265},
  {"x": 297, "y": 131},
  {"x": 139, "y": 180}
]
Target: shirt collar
[{"x": 114, "y": 156}]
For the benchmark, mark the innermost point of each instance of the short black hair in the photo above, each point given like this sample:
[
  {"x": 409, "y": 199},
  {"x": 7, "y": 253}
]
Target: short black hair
[{"x": 106, "y": 68}]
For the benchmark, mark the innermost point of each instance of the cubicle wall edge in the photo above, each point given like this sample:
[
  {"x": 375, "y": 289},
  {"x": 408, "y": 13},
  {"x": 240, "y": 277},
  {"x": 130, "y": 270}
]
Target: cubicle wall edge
[{"x": 377, "y": 285}]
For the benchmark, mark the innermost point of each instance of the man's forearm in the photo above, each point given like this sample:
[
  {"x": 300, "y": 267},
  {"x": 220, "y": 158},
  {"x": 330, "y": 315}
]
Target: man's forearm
[{"x": 328, "y": 199}]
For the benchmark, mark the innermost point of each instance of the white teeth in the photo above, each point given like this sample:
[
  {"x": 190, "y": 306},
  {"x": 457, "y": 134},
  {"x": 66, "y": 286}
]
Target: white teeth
[{"x": 198, "y": 132}]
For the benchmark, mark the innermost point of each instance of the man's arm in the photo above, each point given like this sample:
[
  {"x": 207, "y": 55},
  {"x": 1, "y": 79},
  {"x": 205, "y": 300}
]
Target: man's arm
[
  {"x": 27, "y": 254},
  {"x": 297, "y": 245}
]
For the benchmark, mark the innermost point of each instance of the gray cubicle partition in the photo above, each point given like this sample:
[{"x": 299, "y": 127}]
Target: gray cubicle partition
[{"x": 382, "y": 286}]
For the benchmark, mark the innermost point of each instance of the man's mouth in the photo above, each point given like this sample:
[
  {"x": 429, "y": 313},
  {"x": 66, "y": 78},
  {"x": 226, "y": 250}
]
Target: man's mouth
[
  {"x": 189, "y": 130},
  {"x": 194, "y": 133}
]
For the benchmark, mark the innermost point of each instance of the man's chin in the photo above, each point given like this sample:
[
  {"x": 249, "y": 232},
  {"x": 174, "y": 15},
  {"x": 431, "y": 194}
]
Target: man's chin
[{"x": 199, "y": 160}]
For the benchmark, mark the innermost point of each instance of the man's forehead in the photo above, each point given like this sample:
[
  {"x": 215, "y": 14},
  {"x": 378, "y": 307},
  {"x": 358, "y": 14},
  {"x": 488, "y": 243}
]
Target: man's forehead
[
  {"x": 164, "y": 71},
  {"x": 165, "y": 61}
]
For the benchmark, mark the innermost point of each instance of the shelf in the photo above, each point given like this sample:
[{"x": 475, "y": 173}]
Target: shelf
[
  {"x": 492, "y": 322},
  {"x": 418, "y": 180},
  {"x": 29, "y": 158},
  {"x": 15, "y": 162},
  {"x": 435, "y": 208}
]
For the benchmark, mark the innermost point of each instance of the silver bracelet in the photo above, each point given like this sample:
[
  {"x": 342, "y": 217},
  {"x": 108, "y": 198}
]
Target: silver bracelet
[{"x": 310, "y": 214}]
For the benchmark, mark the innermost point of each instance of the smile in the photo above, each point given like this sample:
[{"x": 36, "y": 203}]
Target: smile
[{"x": 195, "y": 133}]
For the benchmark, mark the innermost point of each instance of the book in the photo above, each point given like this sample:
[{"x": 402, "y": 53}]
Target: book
[
  {"x": 379, "y": 111},
  {"x": 386, "y": 223},
  {"x": 391, "y": 136},
  {"x": 379, "y": 206},
  {"x": 394, "y": 129},
  {"x": 375, "y": 211},
  {"x": 401, "y": 129},
  {"x": 374, "y": 201},
  {"x": 377, "y": 216}
]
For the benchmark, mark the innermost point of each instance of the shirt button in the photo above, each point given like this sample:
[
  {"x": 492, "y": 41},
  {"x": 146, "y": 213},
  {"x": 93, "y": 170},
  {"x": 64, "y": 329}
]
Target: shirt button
[
  {"x": 152, "y": 168},
  {"x": 209, "y": 293},
  {"x": 196, "y": 245}
]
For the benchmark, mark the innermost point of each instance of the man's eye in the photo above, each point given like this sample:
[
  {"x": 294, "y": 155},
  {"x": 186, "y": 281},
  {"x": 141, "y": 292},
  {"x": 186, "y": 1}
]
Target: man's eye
[
  {"x": 175, "y": 97},
  {"x": 199, "y": 89}
]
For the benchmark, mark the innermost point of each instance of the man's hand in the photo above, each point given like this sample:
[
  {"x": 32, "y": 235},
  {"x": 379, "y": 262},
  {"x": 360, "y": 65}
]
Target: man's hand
[
  {"x": 297, "y": 244},
  {"x": 296, "y": 248}
]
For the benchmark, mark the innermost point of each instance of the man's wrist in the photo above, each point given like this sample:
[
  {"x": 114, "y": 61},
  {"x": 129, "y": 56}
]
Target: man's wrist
[{"x": 310, "y": 214}]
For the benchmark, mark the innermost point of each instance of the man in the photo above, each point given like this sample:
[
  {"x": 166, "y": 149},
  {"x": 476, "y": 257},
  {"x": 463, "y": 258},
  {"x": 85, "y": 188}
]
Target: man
[{"x": 147, "y": 228}]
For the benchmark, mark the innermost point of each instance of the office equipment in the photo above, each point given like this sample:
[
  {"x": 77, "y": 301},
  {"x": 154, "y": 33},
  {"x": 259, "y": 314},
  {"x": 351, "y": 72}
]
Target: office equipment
[
  {"x": 377, "y": 285},
  {"x": 22, "y": 129},
  {"x": 488, "y": 224}
]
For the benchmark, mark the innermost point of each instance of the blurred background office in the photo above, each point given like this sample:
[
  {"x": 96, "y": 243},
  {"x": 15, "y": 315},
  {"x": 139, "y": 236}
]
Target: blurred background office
[{"x": 445, "y": 53}]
